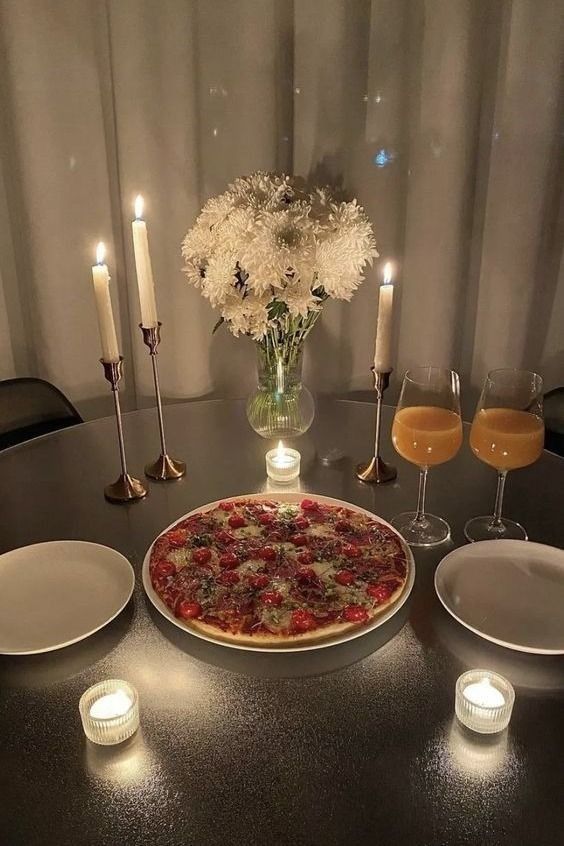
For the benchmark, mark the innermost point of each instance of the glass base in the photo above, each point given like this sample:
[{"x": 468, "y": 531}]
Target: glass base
[
  {"x": 429, "y": 531},
  {"x": 482, "y": 528}
]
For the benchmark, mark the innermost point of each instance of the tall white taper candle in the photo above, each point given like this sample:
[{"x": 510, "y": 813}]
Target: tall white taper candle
[
  {"x": 143, "y": 267},
  {"x": 101, "y": 279},
  {"x": 383, "y": 349}
]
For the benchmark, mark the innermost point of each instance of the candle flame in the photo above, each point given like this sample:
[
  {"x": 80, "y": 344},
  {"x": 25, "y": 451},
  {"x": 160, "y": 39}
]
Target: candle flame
[
  {"x": 280, "y": 450},
  {"x": 100, "y": 253},
  {"x": 388, "y": 272},
  {"x": 139, "y": 203}
]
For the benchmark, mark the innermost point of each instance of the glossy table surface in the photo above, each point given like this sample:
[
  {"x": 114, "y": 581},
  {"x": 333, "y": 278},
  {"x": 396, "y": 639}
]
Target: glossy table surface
[{"x": 352, "y": 744}]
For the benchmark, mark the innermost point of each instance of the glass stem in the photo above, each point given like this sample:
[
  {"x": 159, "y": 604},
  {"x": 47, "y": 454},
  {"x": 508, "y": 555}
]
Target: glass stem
[
  {"x": 501, "y": 477},
  {"x": 420, "y": 515}
]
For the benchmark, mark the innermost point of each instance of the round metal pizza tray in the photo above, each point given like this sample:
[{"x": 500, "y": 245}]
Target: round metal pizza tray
[{"x": 322, "y": 644}]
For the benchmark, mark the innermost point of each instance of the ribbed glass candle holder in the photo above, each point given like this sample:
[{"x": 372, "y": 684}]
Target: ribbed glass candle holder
[
  {"x": 484, "y": 701},
  {"x": 283, "y": 465},
  {"x": 110, "y": 712}
]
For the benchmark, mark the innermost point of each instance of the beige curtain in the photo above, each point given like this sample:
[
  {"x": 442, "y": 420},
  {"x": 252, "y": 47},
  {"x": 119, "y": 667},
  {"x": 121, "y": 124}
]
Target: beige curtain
[{"x": 442, "y": 116}]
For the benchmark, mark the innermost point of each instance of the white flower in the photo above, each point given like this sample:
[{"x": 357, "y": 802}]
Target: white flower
[
  {"x": 267, "y": 243},
  {"x": 282, "y": 242},
  {"x": 246, "y": 315},
  {"x": 347, "y": 246},
  {"x": 197, "y": 245},
  {"x": 262, "y": 191},
  {"x": 220, "y": 279},
  {"x": 299, "y": 298},
  {"x": 194, "y": 273}
]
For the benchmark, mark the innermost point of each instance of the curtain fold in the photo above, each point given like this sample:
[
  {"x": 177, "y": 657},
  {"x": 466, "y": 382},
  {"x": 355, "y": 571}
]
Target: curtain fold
[{"x": 444, "y": 118}]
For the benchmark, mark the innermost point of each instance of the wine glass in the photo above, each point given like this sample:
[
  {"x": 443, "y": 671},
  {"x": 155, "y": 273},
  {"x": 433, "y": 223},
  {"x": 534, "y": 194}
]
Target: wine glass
[
  {"x": 427, "y": 430},
  {"x": 507, "y": 433}
]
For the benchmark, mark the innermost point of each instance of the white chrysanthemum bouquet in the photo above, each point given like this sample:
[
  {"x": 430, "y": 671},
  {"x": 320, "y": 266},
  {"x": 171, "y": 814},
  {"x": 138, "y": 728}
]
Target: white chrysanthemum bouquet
[{"x": 268, "y": 252}]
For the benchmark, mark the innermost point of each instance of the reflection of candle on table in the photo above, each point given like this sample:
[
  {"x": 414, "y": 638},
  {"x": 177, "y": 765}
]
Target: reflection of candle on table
[
  {"x": 383, "y": 350},
  {"x": 484, "y": 701},
  {"x": 283, "y": 463},
  {"x": 109, "y": 712},
  {"x": 143, "y": 267},
  {"x": 101, "y": 279}
]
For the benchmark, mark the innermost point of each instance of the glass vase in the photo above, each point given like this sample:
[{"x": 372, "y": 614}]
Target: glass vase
[{"x": 281, "y": 407}]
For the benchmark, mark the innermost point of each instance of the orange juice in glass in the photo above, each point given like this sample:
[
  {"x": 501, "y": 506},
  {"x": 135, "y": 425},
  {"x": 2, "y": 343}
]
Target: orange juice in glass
[
  {"x": 427, "y": 435},
  {"x": 507, "y": 438},
  {"x": 427, "y": 430},
  {"x": 507, "y": 433}
]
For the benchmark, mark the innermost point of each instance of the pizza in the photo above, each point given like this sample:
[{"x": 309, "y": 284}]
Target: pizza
[{"x": 268, "y": 573}]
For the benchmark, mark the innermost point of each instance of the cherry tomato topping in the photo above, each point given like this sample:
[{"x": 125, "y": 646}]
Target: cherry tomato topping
[
  {"x": 226, "y": 505},
  {"x": 187, "y": 610},
  {"x": 344, "y": 577},
  {"x": 224, "y": 537},
  {"x": 306, "y": 558},
  {"x": 164, "y": 568},
  {"x": 301, "y": 523},
  {"x": 343, "y": 527},
  {"x": 271, "y": 597},
  {"x": 266, "y": 518},
  {"x": 267, "y": 553},
  {"x": 259, "y": 581},
  {"x": 303, "y": 621},
  {"x": 274, "y": 537},
  {"x": 176, "y": 538},
  {"x": 355, "y": 613},
  {"x": 379, "y": 593},
  {"x": 201, "y": 555},
  {"x": 351, "y": 551},
  {"x": 309, "y": 505},
  {"x": 298, "y": 540},
  {"x": 228, "y": 577},
  {"x": 228, "y": 560},
  {"x": 236, "y": 521},
  {"x": 306, "y": 574}
]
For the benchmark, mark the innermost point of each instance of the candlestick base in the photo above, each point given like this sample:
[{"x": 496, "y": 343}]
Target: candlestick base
[
  {"x": 125, "y": 489},
  {"x": 376, "y": 471},
  {"x": 165, "y": 468}
]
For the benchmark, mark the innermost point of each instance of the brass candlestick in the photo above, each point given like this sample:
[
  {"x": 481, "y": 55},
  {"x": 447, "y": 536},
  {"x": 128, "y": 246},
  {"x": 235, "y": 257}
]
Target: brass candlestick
[
  {"x": 376, "y": 471},
  {"x": 165, "y": 467},
  {"x": 126, "y": 488}
]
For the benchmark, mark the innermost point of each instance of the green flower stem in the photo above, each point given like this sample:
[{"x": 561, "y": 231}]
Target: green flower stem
[{"x": 285, "y": 340}]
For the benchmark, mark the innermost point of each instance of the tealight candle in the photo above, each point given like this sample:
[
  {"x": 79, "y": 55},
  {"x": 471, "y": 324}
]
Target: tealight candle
[
  {"x": 484, "y": 701},
  {"x": 110, "y": 712},
  {"x": 283, "y": 464}
]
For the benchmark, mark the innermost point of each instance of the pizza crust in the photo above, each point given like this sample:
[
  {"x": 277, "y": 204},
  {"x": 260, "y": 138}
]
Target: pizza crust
[{"x": 274, "y": 641}]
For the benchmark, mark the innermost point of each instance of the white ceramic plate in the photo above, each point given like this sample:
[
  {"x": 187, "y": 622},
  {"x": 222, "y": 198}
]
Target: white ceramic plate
[
  {"x": 285, "y": 497},
  {"x": 56, "y": 593},
  {"x": 508, "y": 591}
]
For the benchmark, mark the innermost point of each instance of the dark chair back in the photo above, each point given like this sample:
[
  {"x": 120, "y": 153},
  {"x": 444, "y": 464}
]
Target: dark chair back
[
  {"x": 554, "y": 420},
  {"x": 31, "y": 407}
]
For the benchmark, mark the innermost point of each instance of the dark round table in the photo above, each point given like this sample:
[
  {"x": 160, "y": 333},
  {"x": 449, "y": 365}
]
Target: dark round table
[{"x": 352, "y": 744}]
